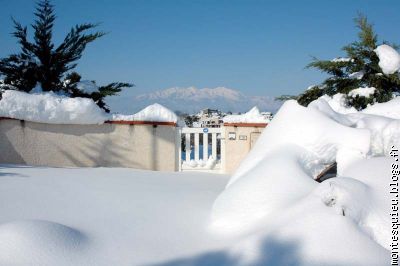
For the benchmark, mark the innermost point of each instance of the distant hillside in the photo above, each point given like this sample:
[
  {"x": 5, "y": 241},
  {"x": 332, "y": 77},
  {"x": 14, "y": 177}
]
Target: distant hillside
[{"x": 192, "y": 100}]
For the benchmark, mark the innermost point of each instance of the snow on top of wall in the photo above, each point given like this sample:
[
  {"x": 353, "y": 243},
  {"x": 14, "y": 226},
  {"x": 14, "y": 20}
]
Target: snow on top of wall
[
  {"x": 389, "y": 59},
  {"x": 153, "y": 113},
  {"x": 87, "y": 86},
  {"x": 365, "y": 92},
  {"x": 50, "y": 108},
  {"x": 252, "y": 116}
]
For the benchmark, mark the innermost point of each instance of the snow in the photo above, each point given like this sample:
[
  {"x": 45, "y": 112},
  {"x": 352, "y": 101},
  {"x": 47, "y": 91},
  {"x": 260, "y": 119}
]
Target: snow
[
  {"x": 37, "y": 88},
  {"x": 104, "y": 216},
  {"x": 357, "y": 75},
  {"x": 252, "y": 116},
  {"x": 87, "y": 86},
  {"x": 270, "y": 212},
  {"x": 201, "y": 164},
  {"x": 388, "y": 109},
  {"x": 291, "y": 151},
  {"x": 337, "y": 223},
  {"x": 342, "y": 59},
  {"x": 58, "y": 109},
  {"x": 337, "y": 102},
  {"x": 50, "y": 108},
  {"x": 389, "y": 59},
  {"x": 288, "y": 219},
  {"x": 311, "y": 87},
  {"x": 47, "y": 239},
  {"x": 154, "y": 113},
  {"x": 365, "y": 92}
]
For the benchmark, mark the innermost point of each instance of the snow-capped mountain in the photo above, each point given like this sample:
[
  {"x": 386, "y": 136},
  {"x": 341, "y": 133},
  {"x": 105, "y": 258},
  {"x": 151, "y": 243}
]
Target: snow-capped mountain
[{"x": 192, "y": 100}]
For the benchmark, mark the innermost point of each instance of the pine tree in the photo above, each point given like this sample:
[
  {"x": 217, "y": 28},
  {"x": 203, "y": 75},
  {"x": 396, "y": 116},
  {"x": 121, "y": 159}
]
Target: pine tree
[
  {"x": 358, "y": 69},
  {"x": 41, "y": 62},
  {"x": 73, "y": 78}
]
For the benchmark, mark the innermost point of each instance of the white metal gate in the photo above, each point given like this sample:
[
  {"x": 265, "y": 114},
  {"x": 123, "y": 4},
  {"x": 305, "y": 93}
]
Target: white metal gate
[{"x": 201, "y": 149}]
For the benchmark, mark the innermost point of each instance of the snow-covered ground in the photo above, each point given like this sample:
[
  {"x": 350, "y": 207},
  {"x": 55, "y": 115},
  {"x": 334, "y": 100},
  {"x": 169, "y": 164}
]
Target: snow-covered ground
[
  {"x": 270, "y": 212},
  {"x": 103, "y": 216}
]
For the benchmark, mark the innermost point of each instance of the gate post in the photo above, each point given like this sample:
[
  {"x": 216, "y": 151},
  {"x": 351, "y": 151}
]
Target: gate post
[{"x": 178, "y": 149}]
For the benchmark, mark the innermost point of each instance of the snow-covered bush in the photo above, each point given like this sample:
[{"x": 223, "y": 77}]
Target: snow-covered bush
[
  {"x": 366, "y": 65},
  {"x": 43, "y": 66}
]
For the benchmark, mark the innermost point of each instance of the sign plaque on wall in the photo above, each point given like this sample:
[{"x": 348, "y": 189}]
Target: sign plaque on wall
[{"x": 231, "y": 135}]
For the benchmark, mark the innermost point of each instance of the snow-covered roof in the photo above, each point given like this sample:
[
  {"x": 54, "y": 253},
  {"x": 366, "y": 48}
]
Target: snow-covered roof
[{"x": 252, "y": 116}]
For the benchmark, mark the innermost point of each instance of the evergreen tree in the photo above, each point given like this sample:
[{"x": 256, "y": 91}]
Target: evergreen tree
[
  {"x": 359, "y": 69},
  {"x": 41, "y": 62}
]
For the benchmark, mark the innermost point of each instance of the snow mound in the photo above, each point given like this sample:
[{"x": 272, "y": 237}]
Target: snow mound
[
  {"x": 298, "y": 144},
  {"x": 389, "y": 59},
  {"x": 286, "y": 217},
  {"x": 50, "y": 108},
  {"x": 337, "y": 102},
  {"x": 252, "y": 116},
  {"x": 154, "y": 113},
  {"x": 87, "y": 86},
  {"x": 389, "y": 109},
  {"x": 33, "y": 242},
  {"x": 365, "y": 92}
]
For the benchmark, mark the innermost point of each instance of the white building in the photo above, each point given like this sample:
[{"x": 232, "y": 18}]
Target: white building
[{"x": 209, "y": 118}]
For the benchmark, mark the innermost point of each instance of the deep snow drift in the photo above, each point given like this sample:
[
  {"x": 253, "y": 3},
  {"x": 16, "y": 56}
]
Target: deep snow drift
[{"x": 287, "y": 217}]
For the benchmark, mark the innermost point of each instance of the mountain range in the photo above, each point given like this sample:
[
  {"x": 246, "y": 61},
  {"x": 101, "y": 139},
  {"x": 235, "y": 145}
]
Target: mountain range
[{"x": 192, "y": 100}]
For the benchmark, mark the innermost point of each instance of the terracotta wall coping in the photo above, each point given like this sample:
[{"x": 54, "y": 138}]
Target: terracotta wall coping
[
  {"x": 245, "y": 124},
  {"x": 154, "y": 123},
  {"x": 120, "y": 122}
]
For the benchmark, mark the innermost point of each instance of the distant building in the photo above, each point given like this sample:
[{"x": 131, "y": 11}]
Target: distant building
[
  {"x": 214, "y": 118},
  {"x": 209, "y": 118}
]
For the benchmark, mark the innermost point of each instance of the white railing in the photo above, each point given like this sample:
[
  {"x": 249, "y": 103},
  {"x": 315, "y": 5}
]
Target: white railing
[{"x": 200, "y": 149}]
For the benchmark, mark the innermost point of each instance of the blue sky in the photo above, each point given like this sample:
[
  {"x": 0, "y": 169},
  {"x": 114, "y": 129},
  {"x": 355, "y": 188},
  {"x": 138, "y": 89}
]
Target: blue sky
[{"x": 257, "y": 47}]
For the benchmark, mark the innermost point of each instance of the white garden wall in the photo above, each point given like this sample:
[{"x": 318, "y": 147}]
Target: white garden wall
[{"x": 149, "y": 146}]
